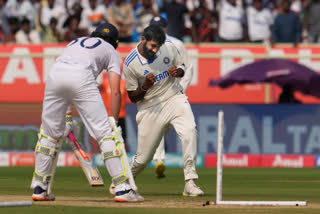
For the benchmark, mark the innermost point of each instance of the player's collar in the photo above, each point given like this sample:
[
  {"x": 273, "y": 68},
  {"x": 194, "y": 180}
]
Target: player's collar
[{"x": 145, "y": 61}]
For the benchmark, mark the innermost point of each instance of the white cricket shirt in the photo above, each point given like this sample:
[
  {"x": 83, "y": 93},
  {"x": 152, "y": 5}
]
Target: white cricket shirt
[
  {"x": 136, "y": 67},
  {"x": 91, "y": 53}
]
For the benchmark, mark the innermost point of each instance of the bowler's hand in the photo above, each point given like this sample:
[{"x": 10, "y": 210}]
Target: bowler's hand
[
  {"x": 173, "y": 71},
  {"x": 150, "y": 80}
]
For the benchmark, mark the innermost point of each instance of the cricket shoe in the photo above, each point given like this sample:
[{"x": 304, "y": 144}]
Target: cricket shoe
[
  {"x": 40, "y": 194},
  {"x": 191, "y": 189},
  {"x": 128, "y": 196},
  {"x": 160, "y": 168}
]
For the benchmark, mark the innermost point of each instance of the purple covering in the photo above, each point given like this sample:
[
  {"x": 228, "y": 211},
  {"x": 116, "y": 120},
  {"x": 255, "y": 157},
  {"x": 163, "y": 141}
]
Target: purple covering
[{"x": 279, "y": 71}]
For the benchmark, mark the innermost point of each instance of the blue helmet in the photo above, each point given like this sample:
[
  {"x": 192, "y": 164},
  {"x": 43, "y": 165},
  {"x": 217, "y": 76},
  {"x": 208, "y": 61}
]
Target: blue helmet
[
  {"x": 108, "y": 33},
  {"x": 159, "y": 20}
]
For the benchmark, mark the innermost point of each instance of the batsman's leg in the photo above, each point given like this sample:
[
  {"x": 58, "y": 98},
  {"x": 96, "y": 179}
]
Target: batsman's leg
[
  {"x": 46, "y": 154},
  {"x": 112, "y": 156},
  {"x": 95, "y": 117}
]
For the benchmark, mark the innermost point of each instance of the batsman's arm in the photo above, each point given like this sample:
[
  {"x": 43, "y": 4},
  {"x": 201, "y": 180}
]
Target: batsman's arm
[{"x": 115, "y": 103}]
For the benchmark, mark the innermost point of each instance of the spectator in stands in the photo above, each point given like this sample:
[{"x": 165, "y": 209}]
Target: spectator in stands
[
  {"x": 51, "y": 34},
  {"x": 93, "y": 15},
  {"x": 231, "y": 22},
  {"x": 145, "y": 14},
  {"x": 213, "y": 21},
  {"x": 75, "y": 11},
  {"x": 296, "y": 6},
  {"x": 259, "y": 21},
  {"x": 135, "y": 6},
  {"x": 68, "y": 4},
  {"x": 13, "y": 29},
  {"x": 73, "y": 30},
  {"x": 121, "y": 16},
  {"x": 193, "y": 4},
  {"x": 204, "y": 24},
  {"x": 175, "y": 12},
  {"x": 287, "y": 26},
  {"x": 312, "y": 20},
  {"x": 26, "y": 35},
  {"x": 49, "y": 10},
  {"x": 4, "y": 18},
  {"x": 27, "y": 10}
]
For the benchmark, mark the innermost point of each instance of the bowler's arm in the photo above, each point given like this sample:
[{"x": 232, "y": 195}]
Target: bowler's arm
[{"x": 139, "y": 93}]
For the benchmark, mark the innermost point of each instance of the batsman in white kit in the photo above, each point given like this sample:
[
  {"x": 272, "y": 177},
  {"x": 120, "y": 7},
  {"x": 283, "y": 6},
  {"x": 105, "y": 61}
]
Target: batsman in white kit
[
  {"x": 72, "y": 80},
  {"x": 152, "y": 73}
]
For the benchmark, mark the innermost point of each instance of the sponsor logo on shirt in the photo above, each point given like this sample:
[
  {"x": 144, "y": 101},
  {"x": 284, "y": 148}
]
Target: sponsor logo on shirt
[
  {"x": 162, "y": 76},
  {"x": 166, "y": 60}
]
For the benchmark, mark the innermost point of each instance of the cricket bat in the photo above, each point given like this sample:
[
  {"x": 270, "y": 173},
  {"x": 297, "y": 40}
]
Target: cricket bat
[{"x": 90, "y": 170}]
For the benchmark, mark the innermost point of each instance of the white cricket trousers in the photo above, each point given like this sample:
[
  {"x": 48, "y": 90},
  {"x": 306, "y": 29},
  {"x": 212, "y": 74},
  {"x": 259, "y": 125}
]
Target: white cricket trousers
[
  {"x": 155, "y": 121},
  {"x": 160, "y": 153},
  {"x": 67, "y": 85}
]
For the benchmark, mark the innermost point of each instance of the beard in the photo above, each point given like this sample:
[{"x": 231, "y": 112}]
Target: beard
[{"x": 148, "y": 54}]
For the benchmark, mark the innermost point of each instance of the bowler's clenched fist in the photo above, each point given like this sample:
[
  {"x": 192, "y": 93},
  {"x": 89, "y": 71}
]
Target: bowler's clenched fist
[
  {"x": 150, "y": 79},
  {"x": 173, "y": 71}
]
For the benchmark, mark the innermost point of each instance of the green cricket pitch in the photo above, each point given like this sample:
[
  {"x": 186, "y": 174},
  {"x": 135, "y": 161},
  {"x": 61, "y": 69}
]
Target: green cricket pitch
[{"x": 74, "y": 195}]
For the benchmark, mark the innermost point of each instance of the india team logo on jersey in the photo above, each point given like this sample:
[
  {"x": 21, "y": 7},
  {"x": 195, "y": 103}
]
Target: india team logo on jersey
[{"x": 166, "y": 60}]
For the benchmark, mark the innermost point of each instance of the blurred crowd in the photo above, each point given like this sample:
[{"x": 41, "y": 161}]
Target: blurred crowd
[{"x": 272, "y": 21}]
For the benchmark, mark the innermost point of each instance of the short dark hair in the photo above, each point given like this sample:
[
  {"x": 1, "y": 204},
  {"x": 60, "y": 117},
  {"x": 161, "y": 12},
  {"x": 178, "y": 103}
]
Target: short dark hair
[
  {"x": 25, "y": 21},
  {"x": 53, "y": 20},
  {"x": 155, "y": 33},
  {"x": 13, "y": 20}
]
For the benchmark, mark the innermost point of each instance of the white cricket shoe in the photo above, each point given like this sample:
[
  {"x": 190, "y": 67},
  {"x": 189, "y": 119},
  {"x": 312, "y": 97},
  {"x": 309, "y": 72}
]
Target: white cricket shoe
[
  {"x": 112, "y": 189},
  {"x": 40, "y": 194},
  {"x": 160, "y": 168},
  {"x": 191, "y": 189},
  {"x": 128, "y": 196}
]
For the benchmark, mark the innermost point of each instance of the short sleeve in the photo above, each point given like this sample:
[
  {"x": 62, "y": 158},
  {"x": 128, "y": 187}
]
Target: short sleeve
[
  {"x": 130, "y": 78},
  {"x": 114, "y": 63},
  {"x": 178, "y": 60}
]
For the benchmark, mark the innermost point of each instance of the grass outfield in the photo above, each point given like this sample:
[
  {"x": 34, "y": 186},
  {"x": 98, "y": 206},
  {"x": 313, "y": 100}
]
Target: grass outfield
[{"x": 74, "y": 195}]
